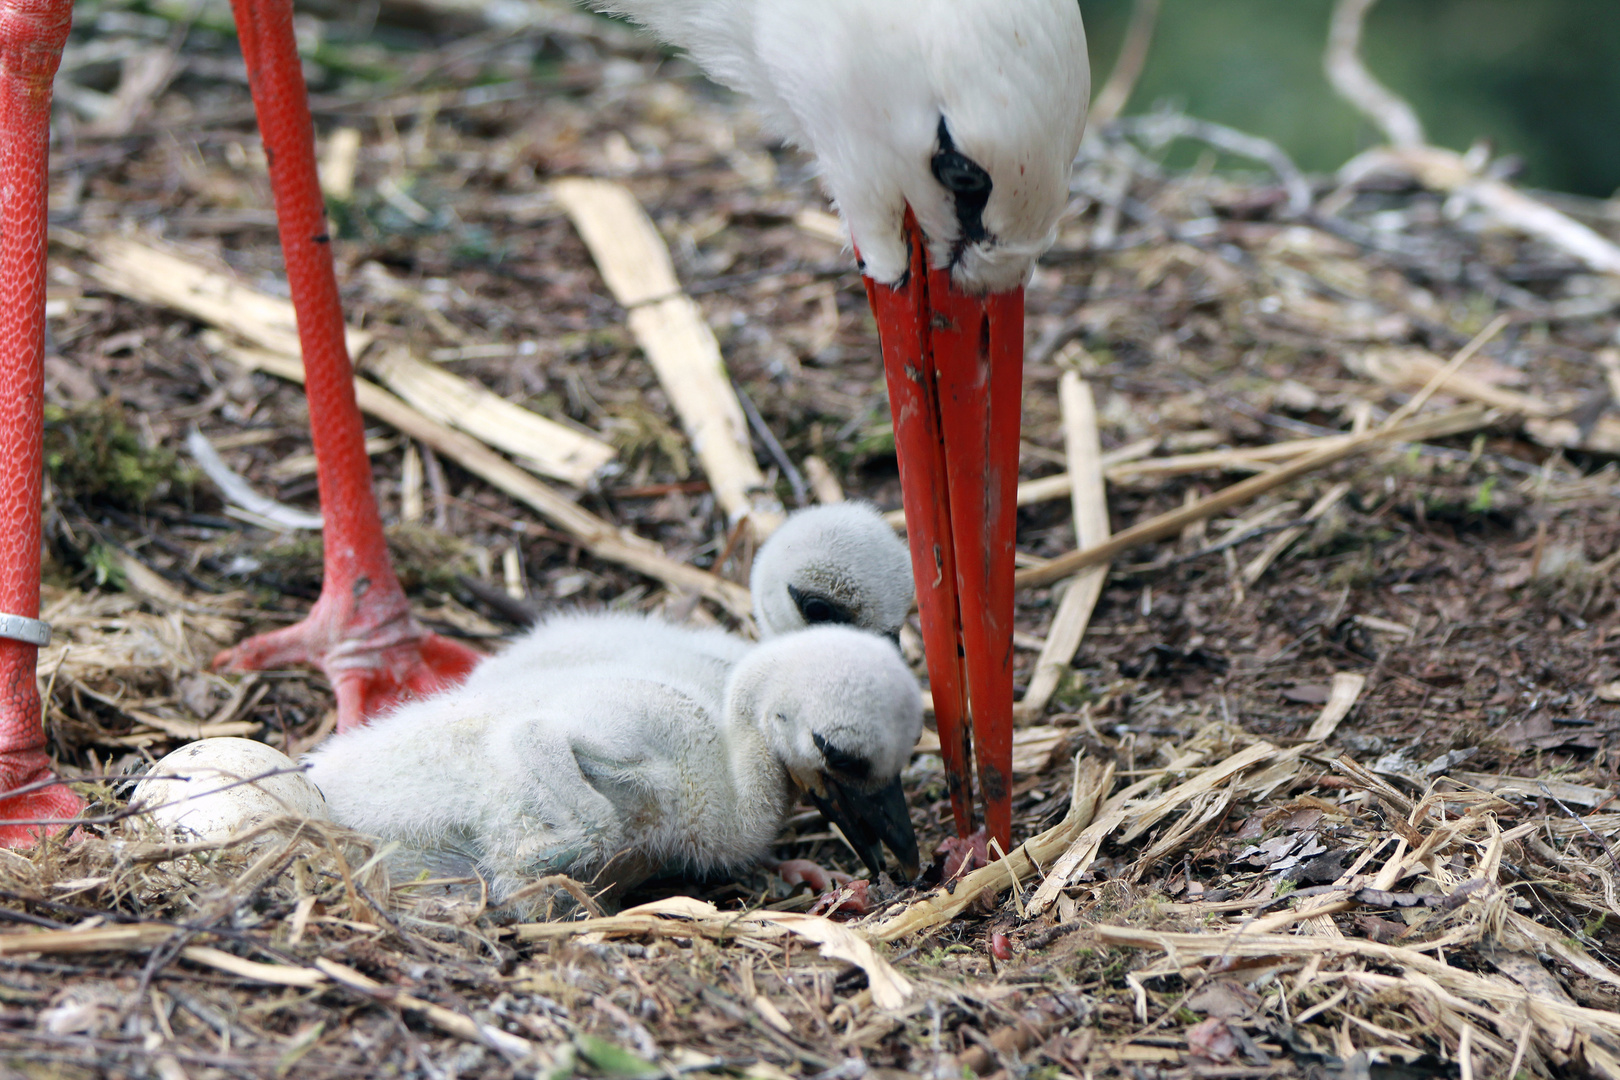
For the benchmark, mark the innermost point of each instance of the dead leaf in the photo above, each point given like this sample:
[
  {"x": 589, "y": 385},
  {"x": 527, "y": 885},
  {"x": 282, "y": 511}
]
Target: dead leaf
[
  {"x": 1212, "y": 1040},
  {"x": 890, "y": 989}
]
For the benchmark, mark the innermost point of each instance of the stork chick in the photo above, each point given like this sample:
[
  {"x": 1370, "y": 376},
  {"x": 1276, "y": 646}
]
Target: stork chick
[
  {"x": 832, "y": 564},
  {"x": 839, "y": 564},
  {"x": 647, "y": 767}
]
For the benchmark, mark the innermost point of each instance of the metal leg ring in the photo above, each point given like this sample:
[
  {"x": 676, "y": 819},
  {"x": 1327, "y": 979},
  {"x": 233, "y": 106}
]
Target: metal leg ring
[{"x": 30, "y": 631}]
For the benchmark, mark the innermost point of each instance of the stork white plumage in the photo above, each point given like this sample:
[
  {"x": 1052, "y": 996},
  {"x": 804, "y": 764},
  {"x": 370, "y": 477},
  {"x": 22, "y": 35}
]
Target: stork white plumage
[
  {"x": 646, "y": 766},
  {"x": 871, "y": 88}
]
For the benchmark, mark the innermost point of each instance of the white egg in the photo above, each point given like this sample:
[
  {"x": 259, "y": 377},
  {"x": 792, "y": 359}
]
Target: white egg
[{"x": 215, "y": 789}]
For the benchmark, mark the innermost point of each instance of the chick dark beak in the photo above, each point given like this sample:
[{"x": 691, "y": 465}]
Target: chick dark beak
[{"x": 869, "y": 819}]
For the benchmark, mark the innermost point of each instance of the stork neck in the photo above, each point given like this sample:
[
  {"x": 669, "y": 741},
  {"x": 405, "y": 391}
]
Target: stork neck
[{"x": 760, "y": 777}]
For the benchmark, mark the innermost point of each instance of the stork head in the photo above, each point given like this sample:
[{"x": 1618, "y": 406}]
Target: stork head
[
  {"x": 839, "y": 709},
  {"x": 839, "y": 564},
  {"x": 969, "y": 112}
]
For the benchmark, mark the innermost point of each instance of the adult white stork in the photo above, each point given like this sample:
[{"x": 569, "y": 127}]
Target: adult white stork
[{"x": 944, "y": 130}]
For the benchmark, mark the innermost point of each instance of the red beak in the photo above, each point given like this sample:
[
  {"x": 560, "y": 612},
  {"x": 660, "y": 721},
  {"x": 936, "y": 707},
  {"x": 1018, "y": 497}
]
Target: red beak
[{"x": 954, "y": 364}]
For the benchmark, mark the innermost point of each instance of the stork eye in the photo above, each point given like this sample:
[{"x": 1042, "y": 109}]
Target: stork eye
[
  {"x": 959, "y": 174},
  {"x": 965, "y": 179},
  {"x": 820, "y": 610}
]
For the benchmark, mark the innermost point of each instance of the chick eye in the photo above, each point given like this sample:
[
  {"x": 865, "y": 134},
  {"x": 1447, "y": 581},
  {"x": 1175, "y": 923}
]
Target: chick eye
[
  {"x": 966, "y": 180},
  {"x": 819, "y": 610},
  {"x": 840, "y": 760}
]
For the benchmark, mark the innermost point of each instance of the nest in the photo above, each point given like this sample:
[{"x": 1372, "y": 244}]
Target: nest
[{"x": 1315, "y": 771}]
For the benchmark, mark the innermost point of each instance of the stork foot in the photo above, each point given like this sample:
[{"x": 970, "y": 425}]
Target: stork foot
[
  {"x": 37, "y": 803},
  {"x": 374, "y": 660}
]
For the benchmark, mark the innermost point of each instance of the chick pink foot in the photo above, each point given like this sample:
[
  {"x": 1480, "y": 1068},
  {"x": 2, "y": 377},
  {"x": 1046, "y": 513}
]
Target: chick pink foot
[
  {"x": 804, "y": 872},
  {"x": 850, "y": 898},
  {"x": 839, "y": 892}
]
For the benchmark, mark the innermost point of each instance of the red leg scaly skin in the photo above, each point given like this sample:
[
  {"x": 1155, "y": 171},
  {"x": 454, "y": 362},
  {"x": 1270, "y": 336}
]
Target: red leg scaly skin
[
  {"x": 32, "y": 33},
  {"x": 954, "y": 366},
  {"x": 902, "y": 311},
  {"x": 360, "y": 632},
  {"x": 980, "y": 376}
]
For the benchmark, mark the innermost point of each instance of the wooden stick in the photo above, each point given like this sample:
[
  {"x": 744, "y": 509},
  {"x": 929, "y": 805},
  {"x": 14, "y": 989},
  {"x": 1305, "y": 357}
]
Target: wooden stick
[
  {"x": 1090, "y": 527},
  {"x": 600, "y": 537},
  {"x": 1280, "y": 543},
  {"x": 274, "y": 974},
  {"x": 451, "y": 1023},
  {"x": 1115, "y": 465},
  {"x": 1110, "y": 100},
  {"x": 1169, "y": 524},
  {"x": 1439, "y": 379},
  {"x": 1350, "y": 77},
  {"x": 670, "y": 329},
  {"x": 1445, "y": 170},
  {"x": 539, "y": 445},
  {"x": 154, "y": 276},
  {"x": 120, "y": 937},
  {"x": 1091, "y": 784},
  {"x": 1347, "y": 687},
  {"x": 823, "y": 484}
]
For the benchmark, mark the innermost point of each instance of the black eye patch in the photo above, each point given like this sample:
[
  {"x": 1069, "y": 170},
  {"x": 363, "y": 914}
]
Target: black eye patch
[
  {"x": 819, "y": 610},
  {"x": 842, "y": 761},
  {"x": 967, "y": 182}
]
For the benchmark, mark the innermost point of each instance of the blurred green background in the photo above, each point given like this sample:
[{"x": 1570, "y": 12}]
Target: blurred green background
[{"x": 1538, "y": 78}]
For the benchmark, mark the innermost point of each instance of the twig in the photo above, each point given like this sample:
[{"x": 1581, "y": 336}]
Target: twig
[
  {"x": 1286, "y": 537},
  {"x": 1445, "y": 170},
  {"x": 1163, "y": 127},
  {"x": 1091, "y": 528},
  {"x": 678, "y": 343},
  {"x": 1464, "y": 354},
  {"x": 795, "y": 479},
  {"x": 1434, "y": 167},
  {"x": 1356, "y": 84},
  {"x": 239, "y": 492},
  {"x": 603, "y": 539},
  {"x": 1169, "y": 524},
  {"x": 1346, "y": 688},
  {"x": 1110, "y": 101},
  {"x": 824, "y": 484},
  {"x": 1090, "y": 789}
]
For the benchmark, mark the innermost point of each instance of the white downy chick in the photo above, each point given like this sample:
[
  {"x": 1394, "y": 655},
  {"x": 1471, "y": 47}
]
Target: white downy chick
[
  {"x": 832, "y": 564},
  {"x": 645, "y": 765},
  {"x": 839, "y": 564}
]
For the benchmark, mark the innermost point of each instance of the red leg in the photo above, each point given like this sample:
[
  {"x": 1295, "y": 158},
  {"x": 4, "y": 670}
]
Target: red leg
[
  {"x": 360, "y": 632},
  {"x": 978, "y": 347},
  {"x": 920, "y": 447},
  {"x": 954, "y": 365},
  {"x": 32, "y": 33}
]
